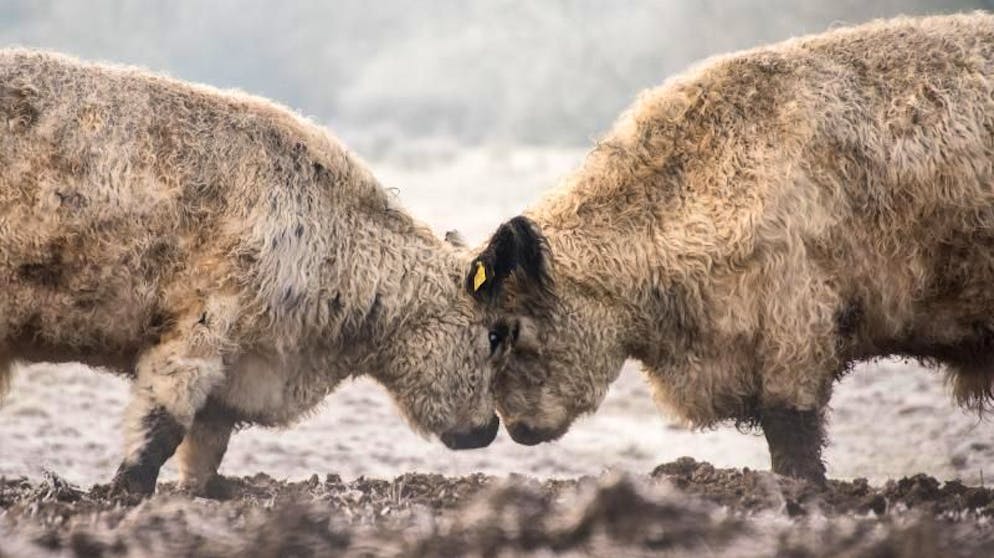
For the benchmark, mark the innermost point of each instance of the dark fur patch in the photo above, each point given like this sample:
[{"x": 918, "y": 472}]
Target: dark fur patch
[
  {"x": 975, "y": 350},
  {"x": 848, "y": 319},
  {"x": 373, "y": 314},
  {"x": 971, "y": 361},
  {"x": 46, "y": 274},
  {"x": 158, "y": 323},
  {"x": 796, "y": 439},
  {"x": 163, "y": 435},
  {"x": 518, "y": 245},
  {"x": 162, "y": 257},
  {"x": 455, "y": 239},
  {"x": 335, "y": 305},
  {"x": 73, "y": 201},
  {"x": 216, "y": 411}
]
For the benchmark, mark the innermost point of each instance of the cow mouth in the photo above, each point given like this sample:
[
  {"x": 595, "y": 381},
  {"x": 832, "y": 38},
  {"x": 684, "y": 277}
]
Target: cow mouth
[{"x": 478, "y": 437}]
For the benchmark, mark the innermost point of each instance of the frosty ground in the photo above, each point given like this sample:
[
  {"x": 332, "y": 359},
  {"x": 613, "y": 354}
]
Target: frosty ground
[{"x": 889, "y": 420}]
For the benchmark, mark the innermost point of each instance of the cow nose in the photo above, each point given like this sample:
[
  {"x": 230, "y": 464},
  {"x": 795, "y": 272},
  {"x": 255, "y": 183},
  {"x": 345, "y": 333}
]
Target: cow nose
[
  {"x": 478, "y": 437},
  {"x": 524, "y": 434}
]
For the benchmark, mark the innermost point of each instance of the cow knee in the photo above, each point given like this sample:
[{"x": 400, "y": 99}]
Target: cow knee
[{"x": 170, "y": 377}]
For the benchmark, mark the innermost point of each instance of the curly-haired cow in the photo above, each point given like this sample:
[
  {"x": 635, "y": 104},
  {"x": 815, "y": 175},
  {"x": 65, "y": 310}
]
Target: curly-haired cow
[
  {"x": 231, "y": 256},
  {"x": 752, "y": 227}
]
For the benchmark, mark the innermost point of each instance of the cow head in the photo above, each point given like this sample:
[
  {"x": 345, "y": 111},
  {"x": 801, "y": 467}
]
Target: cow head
[
  {"x": 555, "y": 344},
  {"x": 440, "y": 363}
]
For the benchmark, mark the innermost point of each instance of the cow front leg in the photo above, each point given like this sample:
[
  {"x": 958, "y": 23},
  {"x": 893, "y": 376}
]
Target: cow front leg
[
  {"x": 202, "y": 450},
  {"x": 795, "y": 438},
  {"x": 172, "y": 385},
  {"x": 152, "y": 439}
]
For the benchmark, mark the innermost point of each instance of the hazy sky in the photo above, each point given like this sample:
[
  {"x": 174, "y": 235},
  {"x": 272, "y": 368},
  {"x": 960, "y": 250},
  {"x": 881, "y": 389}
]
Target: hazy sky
[{"x": 513, "y": 71}]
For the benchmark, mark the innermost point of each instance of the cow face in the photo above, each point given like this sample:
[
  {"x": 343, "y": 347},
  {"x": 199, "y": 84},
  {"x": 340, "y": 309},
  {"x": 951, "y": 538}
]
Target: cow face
[
  {"x": 443, "y": 367},
  {"x": 555, "y": 347}
]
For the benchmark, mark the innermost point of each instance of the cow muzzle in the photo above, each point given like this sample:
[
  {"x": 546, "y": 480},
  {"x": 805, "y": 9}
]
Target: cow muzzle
[
  {"x": 529, "y": 436},
  {"x": 478, "y": 437}
]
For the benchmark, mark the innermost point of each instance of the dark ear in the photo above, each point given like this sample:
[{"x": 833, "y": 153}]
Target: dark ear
[
  {"x": 455, "y": 239},
  {"x": 518, "y": 245}
]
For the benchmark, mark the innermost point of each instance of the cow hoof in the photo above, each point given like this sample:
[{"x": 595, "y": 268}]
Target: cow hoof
[
  {"x": 133, "y": 481},
  {"x": 215, "y": 488}
]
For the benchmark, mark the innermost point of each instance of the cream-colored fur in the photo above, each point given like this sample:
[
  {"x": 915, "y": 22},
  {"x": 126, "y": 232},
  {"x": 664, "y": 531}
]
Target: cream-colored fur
[
  {"x": 220, "y": 249},
  {"x": 753, "y": 226}
]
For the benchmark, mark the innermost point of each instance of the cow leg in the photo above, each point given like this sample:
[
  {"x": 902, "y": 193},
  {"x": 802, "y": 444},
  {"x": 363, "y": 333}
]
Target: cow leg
[
  {"x": 6, "y": 374},
  {"x": 796, "y": 439},
  {"x": 203, "y": 448},
  {"x": 172, "y": 384}
]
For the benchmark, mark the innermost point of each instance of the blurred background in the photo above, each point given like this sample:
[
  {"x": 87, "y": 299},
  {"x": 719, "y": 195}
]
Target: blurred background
[
  {"x": 469, "y": 110},
  {"x": 479, "y": 72}
]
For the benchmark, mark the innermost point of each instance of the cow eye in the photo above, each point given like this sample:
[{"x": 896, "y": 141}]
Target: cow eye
[{"x": 496, "y": 337}]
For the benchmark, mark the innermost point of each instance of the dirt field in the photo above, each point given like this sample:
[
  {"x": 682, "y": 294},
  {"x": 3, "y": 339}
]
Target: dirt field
[{"x": 684, "y": 508}]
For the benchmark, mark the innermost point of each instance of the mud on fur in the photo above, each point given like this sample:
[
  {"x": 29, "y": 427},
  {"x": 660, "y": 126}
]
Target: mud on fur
[
  {"x": 752, "y": 227},
  {"x": 230, "y": 256}
]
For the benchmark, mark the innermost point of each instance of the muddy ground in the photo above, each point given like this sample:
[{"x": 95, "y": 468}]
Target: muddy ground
[{"x": 683, "y": 508}]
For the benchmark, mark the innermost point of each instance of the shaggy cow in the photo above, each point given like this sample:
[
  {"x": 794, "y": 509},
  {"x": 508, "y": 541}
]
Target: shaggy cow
[
  {"x": 752, "y": 227},
  {"x": 229, "y": 255}
]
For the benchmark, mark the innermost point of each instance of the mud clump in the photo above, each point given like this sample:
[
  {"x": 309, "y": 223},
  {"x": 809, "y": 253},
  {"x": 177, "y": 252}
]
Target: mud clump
[
  {"x": 747, "y": 490},
  {"x": 683, "y": 508}
]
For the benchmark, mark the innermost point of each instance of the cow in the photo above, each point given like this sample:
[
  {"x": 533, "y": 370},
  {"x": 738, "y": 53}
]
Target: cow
[
  {"x": 231, "y": 257},
  {"x": 754, "y": 226}
]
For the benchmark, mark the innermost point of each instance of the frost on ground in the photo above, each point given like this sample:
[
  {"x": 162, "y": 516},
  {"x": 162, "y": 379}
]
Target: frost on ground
[{"x": 890, "y": 419}]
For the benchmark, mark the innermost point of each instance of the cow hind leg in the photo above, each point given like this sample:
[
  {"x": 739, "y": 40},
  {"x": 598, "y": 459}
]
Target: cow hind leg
[
  {"x": 202, "y": 450},
  {"x": 173, "y": 382},
  {"x": 795, "y": 438},
  {"x": 6, "y": 374}
]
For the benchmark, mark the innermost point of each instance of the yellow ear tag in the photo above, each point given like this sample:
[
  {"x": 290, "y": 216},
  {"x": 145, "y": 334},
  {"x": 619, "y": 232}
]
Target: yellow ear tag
[{"x": 480, "y": 278}]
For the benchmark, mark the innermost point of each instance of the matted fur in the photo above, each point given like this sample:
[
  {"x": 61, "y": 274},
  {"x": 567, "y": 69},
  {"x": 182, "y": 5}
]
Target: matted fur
[
  {"x": 753, "y": 226},
  {"x": 229, "y": 247}
]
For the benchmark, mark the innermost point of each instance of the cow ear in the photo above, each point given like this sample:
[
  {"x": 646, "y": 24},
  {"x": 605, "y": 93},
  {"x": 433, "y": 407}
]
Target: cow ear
[
  {"x": 455, "y": 239},
  {"x": 518, "y": 245}
]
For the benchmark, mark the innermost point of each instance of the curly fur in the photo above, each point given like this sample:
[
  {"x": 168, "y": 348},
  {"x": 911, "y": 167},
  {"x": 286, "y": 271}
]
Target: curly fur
[
  {"x": 218, "y": 247},
  {"x": 751, "y": 227}
]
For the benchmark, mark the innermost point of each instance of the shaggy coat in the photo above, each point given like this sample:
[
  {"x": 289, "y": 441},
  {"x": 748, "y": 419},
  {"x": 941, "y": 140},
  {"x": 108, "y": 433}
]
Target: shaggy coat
[
  {"x": 752, "y": 227},
  {"x": 230, "y": 255}
]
